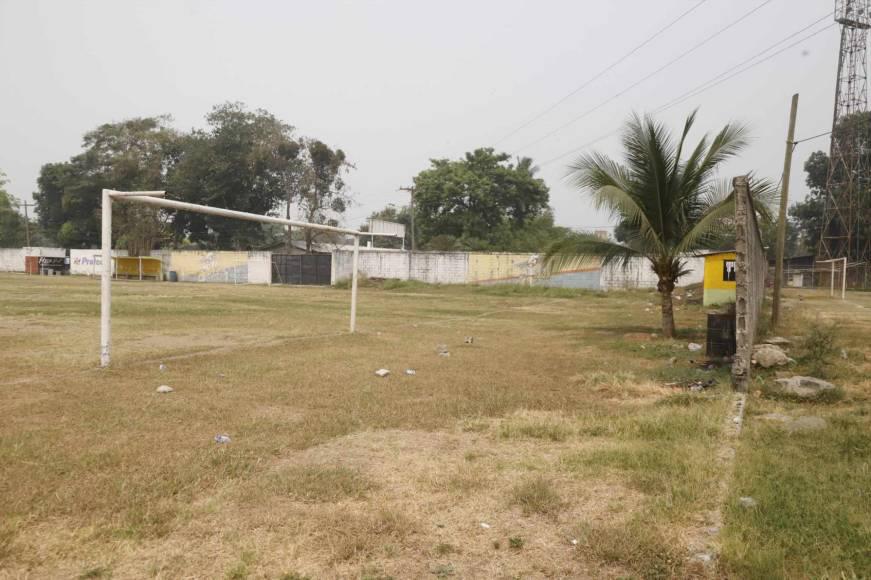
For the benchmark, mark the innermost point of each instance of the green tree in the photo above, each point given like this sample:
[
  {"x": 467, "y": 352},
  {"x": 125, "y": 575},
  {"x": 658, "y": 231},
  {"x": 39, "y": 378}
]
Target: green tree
[
  {"x": 244, "y": 161},
  {"x": 479, "y": 201},
  {"x": 672, "y": 206},
  {"x": 322, "y": 196},
  {"x": 135, "y": 154},
  {"x": 12, "y": 226}
]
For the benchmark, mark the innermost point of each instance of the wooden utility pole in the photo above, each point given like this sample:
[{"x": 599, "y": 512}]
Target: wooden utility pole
[
  {"x": 781, "y": 219},
  {"x": 411, "y": 191},
  {"x": 27, "y": 222}
]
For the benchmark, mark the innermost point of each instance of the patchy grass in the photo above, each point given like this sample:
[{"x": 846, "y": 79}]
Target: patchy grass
[
  {"x": 537, "y": 495},
  {"x": 555, "y": 411},
  {"x": 813, "y": 514},
  {"x": 320, "y": 483},
  {"x": 637, "y": 545}
]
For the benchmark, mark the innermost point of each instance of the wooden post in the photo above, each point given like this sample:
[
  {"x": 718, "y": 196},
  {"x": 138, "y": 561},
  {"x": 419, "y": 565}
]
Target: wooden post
[{"x": 781, "y": 220}]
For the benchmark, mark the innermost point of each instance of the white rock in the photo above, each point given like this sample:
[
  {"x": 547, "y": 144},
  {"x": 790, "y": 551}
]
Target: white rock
[
  {"x": 747, "y": 502},
  {"x": 694, "y": 347},
  {"x": 382, "y": 373},
  {"x": 485, "y": 525},
  {"x": 165, "y": 389},
  {"x": 769, "y": 355}
]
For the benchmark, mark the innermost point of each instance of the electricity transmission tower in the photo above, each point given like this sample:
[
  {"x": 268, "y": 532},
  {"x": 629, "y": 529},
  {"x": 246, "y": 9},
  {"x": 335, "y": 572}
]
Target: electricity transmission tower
[{"x": 847, "y": 213}]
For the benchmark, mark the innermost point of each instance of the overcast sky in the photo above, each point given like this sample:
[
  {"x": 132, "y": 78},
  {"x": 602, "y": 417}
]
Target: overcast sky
[{"x": 395, "y": 83}]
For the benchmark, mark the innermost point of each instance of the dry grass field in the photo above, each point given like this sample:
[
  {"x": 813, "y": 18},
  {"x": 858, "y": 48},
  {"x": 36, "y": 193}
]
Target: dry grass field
[{"x": 550, "y": 447}]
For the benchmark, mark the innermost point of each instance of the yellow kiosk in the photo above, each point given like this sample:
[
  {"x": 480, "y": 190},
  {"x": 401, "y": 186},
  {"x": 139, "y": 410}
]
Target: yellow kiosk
[{"x": 719, "y": 281}]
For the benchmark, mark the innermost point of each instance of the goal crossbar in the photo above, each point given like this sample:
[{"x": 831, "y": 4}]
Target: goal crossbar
[{"x": 156, "y": 198}]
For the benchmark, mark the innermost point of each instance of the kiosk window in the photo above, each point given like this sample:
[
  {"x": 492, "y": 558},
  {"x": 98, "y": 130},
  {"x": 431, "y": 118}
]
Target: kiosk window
[{"x": 729, "y": 270}]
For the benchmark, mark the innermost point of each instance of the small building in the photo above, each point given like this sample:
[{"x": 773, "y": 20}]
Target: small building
[{"x": 719, "y": 279}]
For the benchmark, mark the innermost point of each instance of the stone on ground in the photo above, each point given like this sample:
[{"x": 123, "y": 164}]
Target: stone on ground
[
  {"x": 769, "y": 355},
  {"x": 806, "y": 424},
  {"x": 165, "y": 389},
  {"x": 808, "y": 388}
]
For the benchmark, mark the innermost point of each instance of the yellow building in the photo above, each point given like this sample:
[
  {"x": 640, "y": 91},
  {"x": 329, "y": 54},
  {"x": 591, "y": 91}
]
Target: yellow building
[{"x": 719, "y": 281}]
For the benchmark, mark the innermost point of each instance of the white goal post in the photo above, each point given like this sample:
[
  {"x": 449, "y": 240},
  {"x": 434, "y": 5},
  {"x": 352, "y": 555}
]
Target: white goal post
[
  {"x": 155, "y": 198},
  {"x": 843, "y": 276}
]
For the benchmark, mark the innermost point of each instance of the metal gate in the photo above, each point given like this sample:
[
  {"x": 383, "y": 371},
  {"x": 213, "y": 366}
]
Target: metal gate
[{"x": 311, "y": 269}]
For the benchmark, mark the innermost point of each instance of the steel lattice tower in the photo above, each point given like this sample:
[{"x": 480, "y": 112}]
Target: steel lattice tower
[{"x": 846, "y": 214}]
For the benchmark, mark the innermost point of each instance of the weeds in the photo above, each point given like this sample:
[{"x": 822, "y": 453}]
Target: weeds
[
  {"x": 537, "y": 496},
  {"x": 819, "y": 347}
]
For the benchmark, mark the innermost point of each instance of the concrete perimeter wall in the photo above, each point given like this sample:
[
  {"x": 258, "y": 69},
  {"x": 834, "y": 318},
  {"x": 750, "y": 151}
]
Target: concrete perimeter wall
[
  {"x": 220, "y": 267},
  {"x": 89, "y": 262},
  {"x": 638, "y": 274},
  {"x": 462, "y": 268},
  {"x": 12, "y": 259}
]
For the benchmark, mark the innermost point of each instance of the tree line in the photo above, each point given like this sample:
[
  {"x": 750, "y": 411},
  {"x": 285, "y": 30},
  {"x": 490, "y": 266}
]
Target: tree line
[
  {"x": 249, "y": 160},
  {"x": 246, "y": 160}
]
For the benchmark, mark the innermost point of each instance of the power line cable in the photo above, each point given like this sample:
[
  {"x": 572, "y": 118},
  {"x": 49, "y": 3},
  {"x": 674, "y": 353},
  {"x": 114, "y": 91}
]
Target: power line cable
[
  {"x": 643, "y": 79},
  {"x": 711, "y": 84},
  {"x": 599, "y": 74},
  {"x": 698, "y": 89}
]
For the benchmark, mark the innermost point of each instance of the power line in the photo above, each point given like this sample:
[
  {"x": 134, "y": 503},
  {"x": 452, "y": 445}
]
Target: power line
[
  {"x": 643, "y": 79},
  {"x": 702, "y": 87},
  {"x": 599, "y": 74}
]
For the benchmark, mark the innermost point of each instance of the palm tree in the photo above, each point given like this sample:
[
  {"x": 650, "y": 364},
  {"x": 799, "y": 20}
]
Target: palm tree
[{"x": 669, "y": 207}]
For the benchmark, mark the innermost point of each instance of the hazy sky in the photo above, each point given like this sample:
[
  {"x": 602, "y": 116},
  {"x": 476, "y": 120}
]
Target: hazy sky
[{"x": 395, "y": 83}]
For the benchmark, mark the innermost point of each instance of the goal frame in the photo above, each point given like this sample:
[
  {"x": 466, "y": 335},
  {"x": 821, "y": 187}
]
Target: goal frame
[
  {"x": 156, "y": 199},
  {"x": 843, "y": 276}
]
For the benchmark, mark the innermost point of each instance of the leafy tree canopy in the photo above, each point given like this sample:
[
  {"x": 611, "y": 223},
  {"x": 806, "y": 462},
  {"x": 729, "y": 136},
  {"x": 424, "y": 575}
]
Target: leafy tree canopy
[
  {"x": 479, "y": 202},
  {"x": 12, "y": 229}
]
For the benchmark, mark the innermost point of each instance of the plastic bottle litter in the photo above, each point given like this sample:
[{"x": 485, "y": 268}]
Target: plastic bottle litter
[
  {"x": 222, "y": 438},
  {"x": 162, "y": 368},
  {"x": 485, "y": 525},
  {"x": 694, "y": 346},
  {"x": 410, "y": 372}
]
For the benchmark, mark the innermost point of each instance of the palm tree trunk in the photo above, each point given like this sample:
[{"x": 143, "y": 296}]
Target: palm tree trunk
[{"x": 667, "y": 313}]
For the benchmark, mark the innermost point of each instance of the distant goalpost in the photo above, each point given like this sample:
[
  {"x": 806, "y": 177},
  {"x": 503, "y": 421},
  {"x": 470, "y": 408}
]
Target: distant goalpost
[
  {"x": 843, "y": 271},
  {"x": 156, "y": 198}
]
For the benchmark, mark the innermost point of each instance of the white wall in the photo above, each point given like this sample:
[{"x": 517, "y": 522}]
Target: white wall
[
  {"x": 12, "y": 259},
  {"x": 430, "y": 267},
  {"x": 89, "y": 262},
  {"x": 638, "y": 274},
  {"x": 259, "y": 267}
]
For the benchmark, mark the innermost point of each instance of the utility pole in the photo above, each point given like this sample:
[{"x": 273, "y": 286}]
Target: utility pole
[
  {"x": 781, "y": 220},
  {"x": 27, "y": 221},
  {"x": 411, "y": 191}
]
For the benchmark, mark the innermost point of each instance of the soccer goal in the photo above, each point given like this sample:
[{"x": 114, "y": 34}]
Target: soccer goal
[
  {"x": 838, "y": 265},
  {"x": 156, "y": 198}
]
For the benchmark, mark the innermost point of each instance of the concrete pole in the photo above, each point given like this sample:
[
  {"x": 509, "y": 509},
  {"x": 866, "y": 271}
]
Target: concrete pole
[
  {"x": 832, "y": 287},
  {"x": 106, "y": 280},
  {"x": 781, "y": 220},
  {"x": 354, "y": 284}
]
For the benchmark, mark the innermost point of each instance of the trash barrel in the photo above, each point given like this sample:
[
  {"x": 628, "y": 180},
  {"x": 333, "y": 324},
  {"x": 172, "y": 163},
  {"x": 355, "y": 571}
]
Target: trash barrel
[
  {"x": 721, "y": 334},
  {"x": 173, "y": 276}
]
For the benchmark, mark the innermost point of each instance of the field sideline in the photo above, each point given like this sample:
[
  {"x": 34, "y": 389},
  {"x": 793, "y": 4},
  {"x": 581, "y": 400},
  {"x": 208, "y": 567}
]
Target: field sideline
[{"x": 550, "y": 447}]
